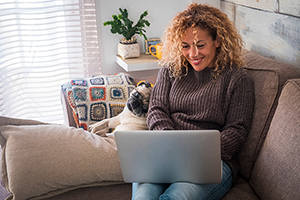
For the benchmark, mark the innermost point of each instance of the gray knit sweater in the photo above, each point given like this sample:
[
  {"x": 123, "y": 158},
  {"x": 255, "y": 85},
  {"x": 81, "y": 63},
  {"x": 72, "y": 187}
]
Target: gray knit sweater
[{"x": 198, "y": 101}]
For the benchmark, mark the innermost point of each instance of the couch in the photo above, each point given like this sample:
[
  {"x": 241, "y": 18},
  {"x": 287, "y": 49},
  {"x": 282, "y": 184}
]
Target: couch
[{"x": 270, "y": 158}]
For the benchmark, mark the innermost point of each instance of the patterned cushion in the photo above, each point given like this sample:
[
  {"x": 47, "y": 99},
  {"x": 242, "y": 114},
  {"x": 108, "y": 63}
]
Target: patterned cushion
[{"x": 97, "y": 98}]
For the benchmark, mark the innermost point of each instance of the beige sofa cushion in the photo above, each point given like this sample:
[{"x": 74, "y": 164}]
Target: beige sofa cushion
[
  {"x": 45, "y": 160},
  {"x": 269, "y": 77},
  {"x": 276, "y": 174},
  {"x": 241, "y": 190}
]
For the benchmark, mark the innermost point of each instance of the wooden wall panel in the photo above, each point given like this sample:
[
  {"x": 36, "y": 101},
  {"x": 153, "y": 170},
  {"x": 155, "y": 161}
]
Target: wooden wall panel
[
  {"x": 290, "y": 7},
  {"x": 270, "y": 34},
  {"x": 229, "y": 9}
]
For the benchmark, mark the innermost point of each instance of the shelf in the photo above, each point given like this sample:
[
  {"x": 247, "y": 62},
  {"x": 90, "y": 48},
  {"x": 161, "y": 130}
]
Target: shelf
[{"x": 144, "y": 62}]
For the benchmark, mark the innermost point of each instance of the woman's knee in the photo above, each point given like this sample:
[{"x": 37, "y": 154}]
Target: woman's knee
[{"x": 147, "y": 191}]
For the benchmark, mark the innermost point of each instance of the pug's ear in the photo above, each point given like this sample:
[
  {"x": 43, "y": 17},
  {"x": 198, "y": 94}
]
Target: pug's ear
[{"x": 146, "y": 83}]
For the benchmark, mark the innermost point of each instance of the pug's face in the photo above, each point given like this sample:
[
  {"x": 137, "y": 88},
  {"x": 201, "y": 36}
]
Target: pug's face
[{"x": 138, "y": 102}]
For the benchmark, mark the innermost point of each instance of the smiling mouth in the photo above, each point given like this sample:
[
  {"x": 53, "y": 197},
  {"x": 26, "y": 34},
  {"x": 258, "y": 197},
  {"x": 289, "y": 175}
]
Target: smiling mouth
[{"x": 196, "y": 61}]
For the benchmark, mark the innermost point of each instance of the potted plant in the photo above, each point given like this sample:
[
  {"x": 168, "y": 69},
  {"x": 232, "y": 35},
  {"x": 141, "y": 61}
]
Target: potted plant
[{"x": 128, "y": 47}]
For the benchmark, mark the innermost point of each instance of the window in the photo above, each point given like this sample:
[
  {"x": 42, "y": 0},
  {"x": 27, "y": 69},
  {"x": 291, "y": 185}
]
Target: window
[{"x": 44, "y": 44}]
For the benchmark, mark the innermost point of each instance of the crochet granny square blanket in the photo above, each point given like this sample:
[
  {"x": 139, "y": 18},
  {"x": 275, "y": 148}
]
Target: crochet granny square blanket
[{"x": 97, "y": 98}]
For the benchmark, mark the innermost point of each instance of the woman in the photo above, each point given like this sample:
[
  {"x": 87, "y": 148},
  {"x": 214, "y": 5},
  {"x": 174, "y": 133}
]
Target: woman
[{"x": 201, "y": 86}]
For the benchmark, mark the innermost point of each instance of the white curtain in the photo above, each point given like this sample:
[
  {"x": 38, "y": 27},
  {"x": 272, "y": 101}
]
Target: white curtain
[{"x": 44, "y": 44}]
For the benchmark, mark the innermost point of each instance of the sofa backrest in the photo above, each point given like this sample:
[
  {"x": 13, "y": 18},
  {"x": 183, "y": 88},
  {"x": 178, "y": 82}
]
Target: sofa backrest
[
  {"x": 269, "y": 77},
  {"x": 276, "y": 173}
]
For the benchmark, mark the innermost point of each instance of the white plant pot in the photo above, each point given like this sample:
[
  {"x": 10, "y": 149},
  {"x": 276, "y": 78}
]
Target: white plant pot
[{"x": 129, "y": 50}]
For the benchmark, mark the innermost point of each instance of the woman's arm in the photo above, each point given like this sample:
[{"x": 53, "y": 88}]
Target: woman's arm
[
  {"x": 159, "y": 114},
  {"x": 239, "y": 116}
]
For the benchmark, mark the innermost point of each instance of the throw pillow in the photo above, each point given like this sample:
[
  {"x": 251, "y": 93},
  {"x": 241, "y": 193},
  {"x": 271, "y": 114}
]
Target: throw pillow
[{"x": 97, "y": 98}]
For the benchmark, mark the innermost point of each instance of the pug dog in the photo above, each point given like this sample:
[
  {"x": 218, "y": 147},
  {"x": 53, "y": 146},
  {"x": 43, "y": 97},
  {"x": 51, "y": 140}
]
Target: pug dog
[{"x": 133, "y": 116}]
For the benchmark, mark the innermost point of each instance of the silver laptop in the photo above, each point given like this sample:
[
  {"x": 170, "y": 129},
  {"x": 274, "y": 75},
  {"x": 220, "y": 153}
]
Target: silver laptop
[{"x": 170, "y": 156}]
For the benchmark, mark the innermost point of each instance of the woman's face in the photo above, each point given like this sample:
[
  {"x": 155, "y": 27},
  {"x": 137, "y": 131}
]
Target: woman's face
[{"x": 201, "y": 50}]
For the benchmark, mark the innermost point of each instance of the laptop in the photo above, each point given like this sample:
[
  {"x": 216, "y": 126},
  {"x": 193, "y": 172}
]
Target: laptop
[{"x": 170, "y": 156}]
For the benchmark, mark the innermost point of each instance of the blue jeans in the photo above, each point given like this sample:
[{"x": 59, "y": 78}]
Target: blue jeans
[{"x": 183, "y": 190}]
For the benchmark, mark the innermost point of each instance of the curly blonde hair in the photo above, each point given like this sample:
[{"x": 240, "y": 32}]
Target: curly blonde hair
[{"x": 208, "y": 18}]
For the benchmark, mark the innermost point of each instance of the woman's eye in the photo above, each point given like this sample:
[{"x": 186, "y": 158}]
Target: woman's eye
[
  {"x": 185, "y": 46},
  {"x": 200, "y": 45}
]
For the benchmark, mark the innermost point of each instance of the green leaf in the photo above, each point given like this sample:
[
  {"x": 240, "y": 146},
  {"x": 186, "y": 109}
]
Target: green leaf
[
  {"x": 122, "y": 25},
  {"x": 144, "y": 15}
]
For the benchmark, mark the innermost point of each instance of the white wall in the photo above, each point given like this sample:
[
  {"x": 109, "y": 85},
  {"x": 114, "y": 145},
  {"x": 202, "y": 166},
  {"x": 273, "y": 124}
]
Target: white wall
[
  {"x": 215, "y": 3},
  {"x": 160, "y": 12}
]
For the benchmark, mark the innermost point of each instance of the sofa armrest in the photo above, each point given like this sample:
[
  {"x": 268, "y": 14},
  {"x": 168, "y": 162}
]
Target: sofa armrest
[{"x": 276, "y": 171}]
